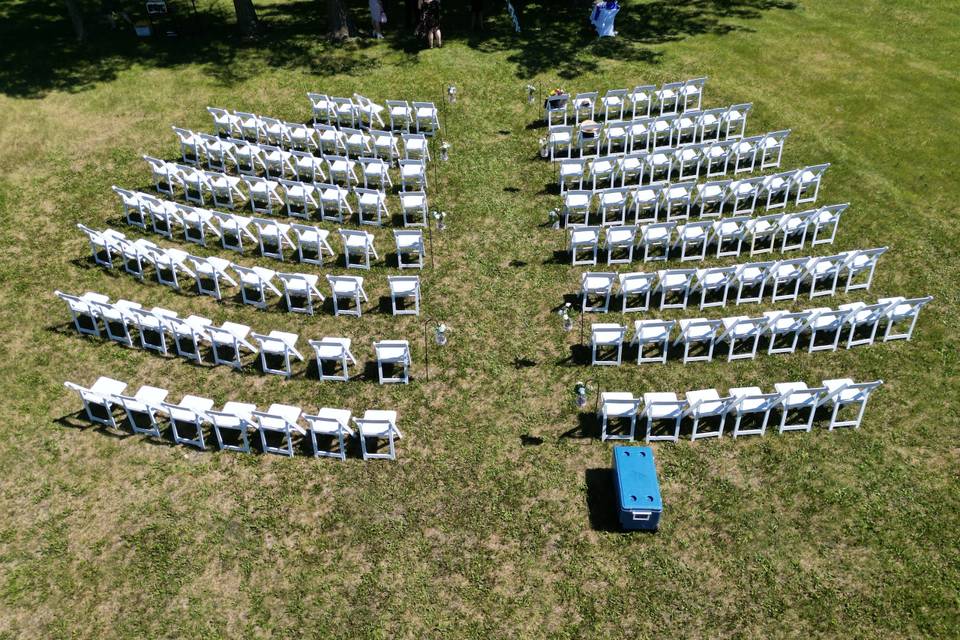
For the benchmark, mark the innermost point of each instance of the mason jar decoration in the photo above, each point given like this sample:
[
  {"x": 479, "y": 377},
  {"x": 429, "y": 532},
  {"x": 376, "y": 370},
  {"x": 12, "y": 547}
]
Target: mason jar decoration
[
  {"x": 564, "y": 314},
  {"x": 441, "y": 334},
  {"x": 440, "y": 217},
  {"x": 452, "y": 94},
  {"x": 554, "y": 218},
  {"x": 445, "y": 151},
  {"x": 531, "y": 93},
  {"x": 580, "y": 394},
  {"x": 544, "y": 149}
]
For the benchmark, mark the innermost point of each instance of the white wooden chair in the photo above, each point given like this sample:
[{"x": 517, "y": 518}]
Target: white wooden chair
[
  {"x": 713, "y": 283},
  {"x": 654, "y": 333},
  {"x": 751, "y": 403},
  {"x": 746, "y": 330},
  {"x": 346, "y": 289},
  {"x": 280, "y": 420},
  {"x": 844, "y": 392},
  {"x": 277, "y": 344},
  {"x": 796, "y": 397},
  {"x": 299, "y": 291},
  {"x": 357, "y": 243},
  {"x": 787, "y": 327},
  {"x": 606, "y": 337},
  {"x": 596, "y": 285},
  {"x": 825, "y": 320},
  {"x": 188, "y": 336},
  {"x": 636, "y": 285},
  {"x": 233, "y": 418},
  {"x": 83, "y": 312},
  {"x": 900, "y": 311},
  {"x": 618, "y": 406},
  {"x": 396, "y": 354},
  {"x": 329, "y": 423},
  {"x": 378, "y": 424},
  {"x": 334, "y": 350},
  {"x": 663, "y": 407},
  {"x": 188, "y": 415},
  {"x": 98, "y": 399},
  {"x": 409, "y": 243},
  {"x": 209, "y": 273},
  {"x": 255, "y": 284},
  {"x": 705, "y": 404},
  {"x": 142, "y": 408},
  {"x": 311, "y": 243},
  {"x": 584, "y": 238},
  {"x": 414, "y": 207},
  {"x": 696, "y": 332},
  {"x": 656, "y": 239},
  {"x": 227, "y": 343},
  {"x": 402, "y": 290},
  {"x": 674, "y": 282}
]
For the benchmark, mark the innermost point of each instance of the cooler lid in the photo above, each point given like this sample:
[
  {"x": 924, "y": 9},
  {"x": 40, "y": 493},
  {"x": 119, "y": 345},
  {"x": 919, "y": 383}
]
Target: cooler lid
[{"x": 636, "y": 478}]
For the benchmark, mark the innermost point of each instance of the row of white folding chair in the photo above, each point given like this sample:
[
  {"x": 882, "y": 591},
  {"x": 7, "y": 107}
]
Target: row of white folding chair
[
  {"x": 647, "y": 134},
  {"x": 782, "y": 280},
  {"x": 310, "y": 243},
  {"x": 680, "y": 200},
  {"x": 332, "y": 202},
  {"x": 263, "y": 194},
  {"x": 642, "y": 100},
  {"x": 360, "y": 111},
  {"x": 235, "y": 422},
  {"x": 270, "y": 236},
  {"x": 326, "y": 144},
  {"x": 749, "y": 407},
  {"x": 662, "y": 241},
  {"x": 161, "y": 330},
  {"x": 255, "y": 283},
  {"x": 685, "y": 163},
  {"x": 699, "y": 336}
]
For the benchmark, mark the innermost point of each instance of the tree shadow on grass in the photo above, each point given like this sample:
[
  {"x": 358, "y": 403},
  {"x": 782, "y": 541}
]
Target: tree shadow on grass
[{"x": 39, "y": 54}]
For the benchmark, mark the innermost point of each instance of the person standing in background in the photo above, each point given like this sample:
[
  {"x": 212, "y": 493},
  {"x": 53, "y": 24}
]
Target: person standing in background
[
  {"x": 377, "y": 17},
  {"x": 429, "y": 26}
]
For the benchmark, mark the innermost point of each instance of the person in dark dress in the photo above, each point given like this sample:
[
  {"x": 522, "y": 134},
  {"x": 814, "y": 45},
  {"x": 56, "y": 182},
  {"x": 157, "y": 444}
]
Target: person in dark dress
[{"x": 429, "y": 26}]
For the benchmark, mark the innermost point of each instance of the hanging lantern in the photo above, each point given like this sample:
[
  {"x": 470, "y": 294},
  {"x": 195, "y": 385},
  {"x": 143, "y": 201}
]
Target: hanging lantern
[
  {"x": 531, "y": 93},
  {"x": 452, "y": 94},
  {"x": 445, "y": 151},
  {"x": 441, "y": 334}
]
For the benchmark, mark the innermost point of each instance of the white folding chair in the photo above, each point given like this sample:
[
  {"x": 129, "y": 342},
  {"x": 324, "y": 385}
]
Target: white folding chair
[
  {"x": 250, "y": 126},
  {"x": 793, "y": 228},
  {"x": 606, "y": 337},
  {"x": 745, "y": 151},
  {"x": 658, "y": 236},
  {"x": 652, "y": 332},
  {"x": 255, "y": 283},
  {"x": 729, "y": 234},
  {"x": 232, "y": 229},
  {"x": 863, "y": 319},
  {"x": 329, "y": 423},
  {"x": 272, "y": 236},
  {"x": 785, "y": 326},
  {"x": 636, "y": 285},
  {"x": 596, "y": 284},
  {"x": 584, "y": 106},
  {"x": 687, "y": 161},
  {"x": 209, "y": 272},
  {"x": 692, "y": 93},
  {"x": 709, "y": 125},
  {"x": 796, "y": 397},
  {"x": 342, "y": 170},
  {"x": 323, "y": 108},
  {"x": 378, "y": 424},
  {"x": 785, "y": 278},
  {"x": 395, "y": 354},
  {"x": 857, "y": 264},
  {"x": 332, "y": 141},
  {"x": 613, "y": 103},
  {"x": 401, "y": 114},
  {"x": 646, "y": 200},
  {"x": 188, "y": 334},
  {"x": 357, "y": 243},
  {"x": 264, "y": 194},
  {"x": 196, "y": 223},
  {"x": 335, "y": 351},
  {"x": 713, "y": 282},
  {"x": 746, "y": 330},
  {"x": 638, "y": 134},
  {"x": 98, "y": 400},
  {"x": 375, "y": 172},
  {"x": 301, "y": 137},
  {"x": 190, "y": 145},
  {"x": 621, "y": 239},
  {"x": 822, "y": 273},
  {"x": 221, "y": 154},
  {"x": 132, "y": 207},
  {"x": 753, "y": 404},
  {"x": 277, "y": 344},
  {"x": 602, "y": 169},
  {"x": 402, "y": 289},
  {"x": 309, "y": 167},
  {"x": 763, "y": 229},
  {"x": 612, "y": 205},
  {"x": 152, "y": 326},
  {"x": 584, "y": 238},
  {"x": 344, "y": 111},
  {"x": 577, "y": 202},
  {"x": 303, "y": 195},
  {"x": 371, "y": 206},
  {"x": 555, "y": 107},
  {"x": 743, "y": 194},
  {"x": 674, "y": 282},
  {"x": 165, "y": 175},
  {"x": 117, "y": 319},
  {"x": 415, "y": 146},
  {"x": 385, "y": 145},
  {"x": 299, "y": 290},
  {"x": 694, "y": 332},
  {"x": 188, "y": 415},
  {"x": 234, "y": 417},
  {"x": 413, "y": 175},
  {"x": 844, "y": 392},
  {"x": 806, "y": 180},
  {"x": 414, "y": 207},
  {"x": 224, "y": 122},
  {"x": 560, "y": 138},
  {"x": 704, "y": 404},
  {"x": 344, "y": 289},
  {"x": 195, "y": 183},
  {"x": 136, "y": 255},
  {"x": 824, "y": 320},
  {"x": 333, "y": 202},
  {"x": 357, "y": 142},
  {"x": 83, "y": 312},
  {"x": 618, "y": 406},
  {"x": 641, "y": 100},
  {"x": 825, "y": 223},
  {"x": 282, "y": 420},
  {"x": 663, "y": 407},
  {"x": 615, "y": 136},
  {"x": 668, "y": 97},
  {"x": 693, "y": 238},
  {"x": 630, "y": 167},
  {"x": 251, "y": 159},
  {"x": 227, "y": 343},
  {"x": 106, "y": 241},
  {"x": 142, "y": 407},
  {"x": 899, "y": 311},
  {"x": 771, "y": 148},
  {"x": 734, "y": 120},
  {"x": 425, "y": 114},
  {"x": 660, "y": 165},
  {"x": 311, "y": 243}
]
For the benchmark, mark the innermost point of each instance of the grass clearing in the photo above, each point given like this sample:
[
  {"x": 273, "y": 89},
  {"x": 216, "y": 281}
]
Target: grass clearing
[{"x": 477, "y": 530}]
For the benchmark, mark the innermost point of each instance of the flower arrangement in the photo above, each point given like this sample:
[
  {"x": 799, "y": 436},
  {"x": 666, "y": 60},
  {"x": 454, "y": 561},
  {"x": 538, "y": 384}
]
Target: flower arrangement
[
  {"x": 554, "y": 217},
  {"x": 580, "y": 393},
  {"x": 440, "y": 217},
  {"x": 564, "y": 313},
  {"x": 452, "y": 93},
  {"x": 558, "y": 91},
  {"x": 445, "y": 151}
]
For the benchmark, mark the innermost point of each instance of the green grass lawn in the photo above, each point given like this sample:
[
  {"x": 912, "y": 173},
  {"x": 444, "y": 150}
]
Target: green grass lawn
[{"x": 496, "y": 521}]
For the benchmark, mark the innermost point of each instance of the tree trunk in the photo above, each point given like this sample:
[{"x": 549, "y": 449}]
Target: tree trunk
[
  {"x": 337, "y": 20},
  {"x": 77, "y": 19},
  {"x": 246, "y": 16}
]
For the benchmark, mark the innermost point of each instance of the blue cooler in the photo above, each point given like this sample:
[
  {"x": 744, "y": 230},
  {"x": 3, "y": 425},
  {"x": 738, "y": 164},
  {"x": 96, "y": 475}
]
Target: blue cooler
[{"x": 638, "y": 492}]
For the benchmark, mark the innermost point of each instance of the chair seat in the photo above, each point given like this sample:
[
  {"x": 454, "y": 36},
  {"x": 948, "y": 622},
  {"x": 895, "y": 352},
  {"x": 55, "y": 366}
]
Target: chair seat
[
  {"x": 577, "y": 200},
  {"x": 709, "y": 400},
  {"x": 658, "y": 411},
  {"x": 340, "y": 416},
  {"x": 607, "y": 336},
  {"x": 647, "y": 333},
  {"x": 345, "y": 288}
]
